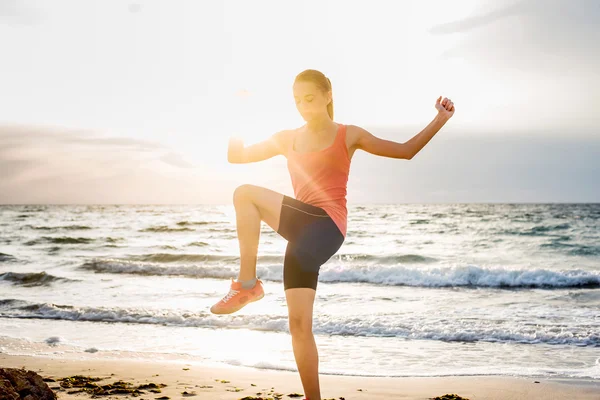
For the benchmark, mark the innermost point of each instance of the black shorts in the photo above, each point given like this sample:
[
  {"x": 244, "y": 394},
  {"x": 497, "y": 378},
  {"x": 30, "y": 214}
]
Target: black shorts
[{"x": 313, "y": 238}]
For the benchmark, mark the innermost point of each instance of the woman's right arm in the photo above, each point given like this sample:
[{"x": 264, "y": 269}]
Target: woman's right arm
[{"x": 271, "y": 147}]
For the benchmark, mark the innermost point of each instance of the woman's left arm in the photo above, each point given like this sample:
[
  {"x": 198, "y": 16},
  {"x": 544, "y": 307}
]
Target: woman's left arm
[{"x": 387, "y": 148}]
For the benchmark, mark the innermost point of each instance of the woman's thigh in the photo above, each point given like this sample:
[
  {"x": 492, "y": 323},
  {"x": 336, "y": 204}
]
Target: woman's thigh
[{"x": 266, "y": 200}]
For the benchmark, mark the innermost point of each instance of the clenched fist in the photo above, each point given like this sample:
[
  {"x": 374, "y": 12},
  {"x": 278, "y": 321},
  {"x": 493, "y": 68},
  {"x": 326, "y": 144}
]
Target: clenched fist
[{"x": 445, "y": 107}]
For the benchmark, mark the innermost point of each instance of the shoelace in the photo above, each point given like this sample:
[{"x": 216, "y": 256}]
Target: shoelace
[{"x": 229, "y": 295}]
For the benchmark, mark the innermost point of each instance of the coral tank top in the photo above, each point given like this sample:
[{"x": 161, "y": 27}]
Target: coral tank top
[{"x": 320, "y": 177}]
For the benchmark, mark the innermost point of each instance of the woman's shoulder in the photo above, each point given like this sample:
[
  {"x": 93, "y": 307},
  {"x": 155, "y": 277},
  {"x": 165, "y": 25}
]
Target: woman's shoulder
[
  {"x": 283, "y": 139},
  {"x": 353, "y": 134},
  {"x": 286, "y": 135}
]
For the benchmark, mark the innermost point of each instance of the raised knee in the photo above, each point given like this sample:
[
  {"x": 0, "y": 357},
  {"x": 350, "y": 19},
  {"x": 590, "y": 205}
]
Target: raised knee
[
  {"x": 300, "y": 327},
  {"x": 242, "y": 192}
]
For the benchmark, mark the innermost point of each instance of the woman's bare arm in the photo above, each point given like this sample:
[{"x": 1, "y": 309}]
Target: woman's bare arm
[
  {"x": 238, "y": 154},
  {"x": 372, "y": 144},
  {"x": 417, "y": 142},
  {"x": 380, "y": 147}
]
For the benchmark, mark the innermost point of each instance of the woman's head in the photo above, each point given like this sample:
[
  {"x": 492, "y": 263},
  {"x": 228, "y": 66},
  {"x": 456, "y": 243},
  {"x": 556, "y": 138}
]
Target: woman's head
[{"x": 312, "y": 93}]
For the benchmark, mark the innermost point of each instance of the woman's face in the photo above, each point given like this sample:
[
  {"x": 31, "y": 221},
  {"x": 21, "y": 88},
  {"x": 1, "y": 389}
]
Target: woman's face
[{"x": 310, "y": 101}]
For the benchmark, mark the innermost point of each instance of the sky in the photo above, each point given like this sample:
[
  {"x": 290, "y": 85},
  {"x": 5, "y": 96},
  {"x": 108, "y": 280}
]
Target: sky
[{"x": 134, "y": 102}]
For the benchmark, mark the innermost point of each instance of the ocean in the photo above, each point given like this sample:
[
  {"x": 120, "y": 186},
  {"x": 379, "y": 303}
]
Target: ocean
[{"x": 415, "y": 290}]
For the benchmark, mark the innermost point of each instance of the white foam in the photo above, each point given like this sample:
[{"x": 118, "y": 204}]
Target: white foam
[{"x": 333, "y": 271}]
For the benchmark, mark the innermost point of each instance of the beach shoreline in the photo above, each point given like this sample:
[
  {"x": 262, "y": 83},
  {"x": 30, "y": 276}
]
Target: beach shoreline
[{"x": 233, "y": 382}]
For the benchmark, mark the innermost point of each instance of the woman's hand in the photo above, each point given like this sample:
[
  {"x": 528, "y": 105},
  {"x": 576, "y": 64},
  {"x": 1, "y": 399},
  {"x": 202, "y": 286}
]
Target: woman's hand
[{"x": 445, "y": 107}]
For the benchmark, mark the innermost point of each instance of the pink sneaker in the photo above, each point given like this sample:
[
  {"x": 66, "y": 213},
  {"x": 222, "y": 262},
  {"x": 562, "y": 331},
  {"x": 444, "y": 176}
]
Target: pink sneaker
[{"x": 238, "y": 297}]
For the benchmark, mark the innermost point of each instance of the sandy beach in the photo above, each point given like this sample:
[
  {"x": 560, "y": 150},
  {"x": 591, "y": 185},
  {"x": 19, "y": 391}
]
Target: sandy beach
[{"x": 185, "y": 380}]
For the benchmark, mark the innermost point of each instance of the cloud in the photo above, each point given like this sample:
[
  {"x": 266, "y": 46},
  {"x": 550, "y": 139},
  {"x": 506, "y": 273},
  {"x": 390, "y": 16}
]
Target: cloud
[
  {"x": 470, "y": 23},
  {"x": 45, "y": 166},
  {"x": 19, "y": 136},
  {"x": 12, "y": 168},
  {"x": 557, "y": 35},
  {"x": 175, "y": 160},
  {"x": 17, "y": 12},
  {"x": 37, "y": 162}
]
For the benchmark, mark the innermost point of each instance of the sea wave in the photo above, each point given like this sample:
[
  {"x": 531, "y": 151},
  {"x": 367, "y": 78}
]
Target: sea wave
[{"x": 442, "y": 330}]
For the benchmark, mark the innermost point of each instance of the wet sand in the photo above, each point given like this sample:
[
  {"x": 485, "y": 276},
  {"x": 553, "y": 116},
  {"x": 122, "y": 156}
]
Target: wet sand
[{"x": 196, "y": 381}]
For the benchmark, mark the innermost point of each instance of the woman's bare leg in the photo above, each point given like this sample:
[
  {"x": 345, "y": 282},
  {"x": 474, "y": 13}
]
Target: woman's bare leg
[
  {"x": 300, "y": 311},
  {"x": 254, "y": 204}
]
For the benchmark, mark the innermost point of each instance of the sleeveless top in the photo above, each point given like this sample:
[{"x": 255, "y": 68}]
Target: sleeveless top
[{"x": 320, "y": 177}]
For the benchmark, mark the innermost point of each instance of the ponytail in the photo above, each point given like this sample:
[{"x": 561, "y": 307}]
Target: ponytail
[{"x": 330, "y": 105}]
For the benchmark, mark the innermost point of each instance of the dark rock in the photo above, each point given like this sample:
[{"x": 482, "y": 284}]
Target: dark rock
[
  {"x": 88, "y": 384},
  {"x": 450, "y": 396},
  {"x": 17, "y": 384}
]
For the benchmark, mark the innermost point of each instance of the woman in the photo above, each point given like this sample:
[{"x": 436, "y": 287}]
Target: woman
[{"x": 314, "y": 222}]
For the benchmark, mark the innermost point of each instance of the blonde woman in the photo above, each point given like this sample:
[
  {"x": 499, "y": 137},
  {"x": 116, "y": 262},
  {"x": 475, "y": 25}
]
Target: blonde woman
[{"x": 314, "y": 222}]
